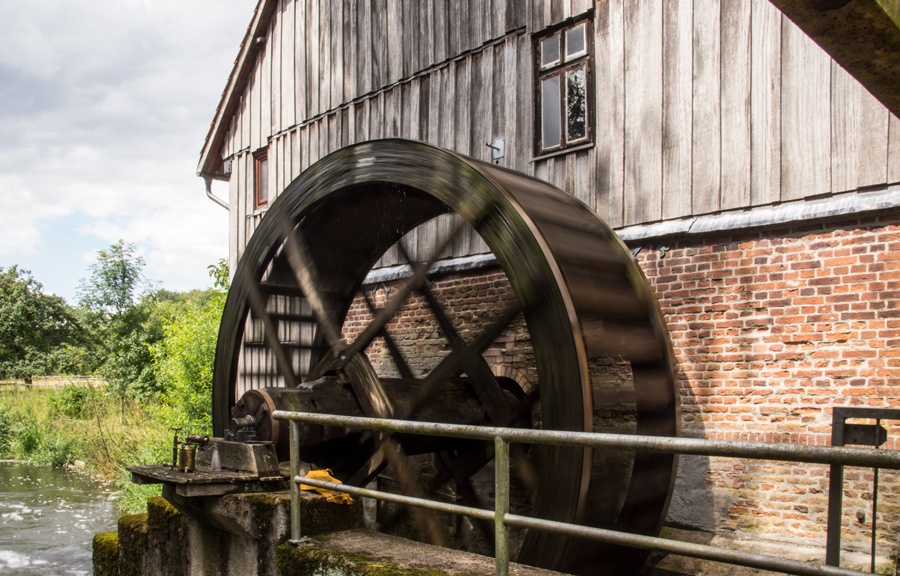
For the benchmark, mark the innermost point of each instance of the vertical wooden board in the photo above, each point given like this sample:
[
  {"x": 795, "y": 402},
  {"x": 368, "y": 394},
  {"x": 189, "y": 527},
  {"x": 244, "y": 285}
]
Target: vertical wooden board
[
  {"x": 379, "y": 22},
  {"x": 425, "y": 114},
  {"x": 765, "y": 103},
  {"x": 677, "y": 82},
  {"x": 426, "y": 39},
  {"x": 410, "y": 110},
  {"x": 805, "y": 115},
  {"x": 893, "y": 159},
  {"x": 301, "y": 73},
  {"x": 735, "y": 78},
  {"x": 479, "y": 109},
  {"x": 392, "y": 112},
  {"x": 314, "y": 145},
  {"x": 540, "y": 170},
  {"x": 585, "y": 164},
  {"x": 352, "y": 120},
  {"x": 643, "y": 112},
  {"x": 473, "y": 24},
  {"x": 275, "y": 68},
  {"x": 458, "y": 17},
  {"x": 524, "y": 103},
  {"x": 288, "y": 66},
  {"x": 435, "y": 96},
  {"x": 325, "y": 134},
  {"x": 582, "y": 6},
  {"x": 304, "y": 148},
  {"x": 255, "y": 106},
  {"x": 344, "y": 126},
  {"x": 334, "y": 132},
  {"x": 442, "y": 29},
  {"x": 336, "y": 71},
  {"x": 394, "y": 41},
  {"x": 246, "y": 201},
  {"x": 859, "y": 134},
  {"x": 410, "y": 38},
  {"x": 234, "y": 213},
  {"x": 706, "y": 138},
  {"x": 376, "y": 117},
  {"x": 364, "y": 47},
  {"x": 568, "y": 174},
  {"x": 448, "y": 107},
  {"x": 557, "y": 14},
  {"x": 610, "y": 105},
  {"x": 506, "y": 86},
  {"x": 275, "y": 164},
  {"x": 313, "y": 43},
  {"x": 265, "y": 96},
  {"x": 461, "y": 106},
  {"x": 498, "y": 18},
  {"x": 295, "y": 154},
  {"x": 350, "y": 50},
  {"x": 326, "y": 73},
  {"x": 362, "y": 120}
]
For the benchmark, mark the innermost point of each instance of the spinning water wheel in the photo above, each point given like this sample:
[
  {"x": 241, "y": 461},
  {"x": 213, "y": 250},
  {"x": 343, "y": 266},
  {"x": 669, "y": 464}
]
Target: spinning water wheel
[{"x": 597, "y": 344}]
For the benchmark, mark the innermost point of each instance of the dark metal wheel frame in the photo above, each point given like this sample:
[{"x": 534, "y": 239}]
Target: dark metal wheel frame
[{"x": 582, "y": 295}]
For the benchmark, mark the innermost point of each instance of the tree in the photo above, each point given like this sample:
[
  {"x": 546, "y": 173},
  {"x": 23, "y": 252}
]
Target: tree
[
  {"x": 39, "y": 333},
  {"x": 116, "y": 280}
]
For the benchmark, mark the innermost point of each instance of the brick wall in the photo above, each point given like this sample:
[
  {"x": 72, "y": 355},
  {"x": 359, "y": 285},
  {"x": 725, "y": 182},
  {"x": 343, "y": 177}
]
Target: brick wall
[{"x": 771, "y": 329}]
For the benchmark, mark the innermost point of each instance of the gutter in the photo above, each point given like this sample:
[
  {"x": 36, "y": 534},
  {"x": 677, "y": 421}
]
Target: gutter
[{"x": 208, "y": 178}]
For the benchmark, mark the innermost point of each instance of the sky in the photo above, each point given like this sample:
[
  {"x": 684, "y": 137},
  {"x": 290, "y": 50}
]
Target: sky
[{"x": 104, "y": 107}]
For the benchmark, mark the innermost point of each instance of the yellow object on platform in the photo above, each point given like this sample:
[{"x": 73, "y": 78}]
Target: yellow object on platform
[{"x": 330, "y": 495}]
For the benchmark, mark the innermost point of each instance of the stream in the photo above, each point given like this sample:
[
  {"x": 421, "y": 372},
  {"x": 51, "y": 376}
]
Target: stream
[{"x": 48, "y": 517}]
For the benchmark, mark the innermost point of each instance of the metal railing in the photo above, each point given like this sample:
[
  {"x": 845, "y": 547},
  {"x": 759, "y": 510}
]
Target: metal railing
[{"x": 502, "y": 519}]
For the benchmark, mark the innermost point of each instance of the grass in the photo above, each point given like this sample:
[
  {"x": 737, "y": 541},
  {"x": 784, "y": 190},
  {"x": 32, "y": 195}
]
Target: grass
[{"x": 58, "y": 427}]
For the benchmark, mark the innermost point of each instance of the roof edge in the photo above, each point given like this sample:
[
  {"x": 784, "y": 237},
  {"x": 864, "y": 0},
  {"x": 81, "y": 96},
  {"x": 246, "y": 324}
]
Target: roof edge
[{"x": 243, "y": 64}]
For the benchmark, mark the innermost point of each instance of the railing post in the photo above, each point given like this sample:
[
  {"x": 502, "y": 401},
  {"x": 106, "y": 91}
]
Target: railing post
[
  {"x": 501, "y": 506},
  {"x": 295, "y": 488},
  {"x": 835, "y": 494}
]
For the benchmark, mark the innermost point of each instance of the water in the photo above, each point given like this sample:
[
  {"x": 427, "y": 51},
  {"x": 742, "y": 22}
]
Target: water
[{"x": 47, "y": 519}]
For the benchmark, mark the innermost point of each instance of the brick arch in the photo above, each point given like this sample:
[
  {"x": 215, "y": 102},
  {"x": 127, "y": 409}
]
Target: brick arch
[{"x": 515, "y": 374}]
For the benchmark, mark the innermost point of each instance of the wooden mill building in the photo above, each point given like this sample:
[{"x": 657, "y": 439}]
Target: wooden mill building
[{"x": 754, "y": 177}]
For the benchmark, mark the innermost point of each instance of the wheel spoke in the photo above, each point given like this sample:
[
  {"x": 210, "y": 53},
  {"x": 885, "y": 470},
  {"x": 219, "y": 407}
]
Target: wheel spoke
[
  {"x": 385, "y": 314},
  {"x": 308, "y": 279},
  {"x": 270, "y": 332},
  {"x": 399, "y": 360},
  {"x": 454, "y": 363}
]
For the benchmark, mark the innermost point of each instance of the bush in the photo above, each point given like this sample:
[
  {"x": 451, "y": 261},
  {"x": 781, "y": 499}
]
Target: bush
[{"x": 71, "y": 400}]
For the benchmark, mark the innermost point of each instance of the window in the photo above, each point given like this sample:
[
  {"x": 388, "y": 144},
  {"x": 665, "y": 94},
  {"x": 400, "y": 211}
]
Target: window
[
  {"x": 564, "y": 101},
  {"x": 261, "y": 179}
]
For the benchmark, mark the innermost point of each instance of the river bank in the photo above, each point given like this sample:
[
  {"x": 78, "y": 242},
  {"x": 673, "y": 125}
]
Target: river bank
[{"x": 79, "y": 424}]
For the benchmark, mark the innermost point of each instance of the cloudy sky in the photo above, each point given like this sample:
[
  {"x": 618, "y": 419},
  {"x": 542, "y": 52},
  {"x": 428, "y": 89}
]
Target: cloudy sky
[{"x": 104, "y": 105}]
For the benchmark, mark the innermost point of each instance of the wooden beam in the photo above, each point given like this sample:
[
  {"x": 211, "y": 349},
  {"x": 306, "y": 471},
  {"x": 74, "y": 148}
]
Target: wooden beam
[{"x": 863, "y": 36}]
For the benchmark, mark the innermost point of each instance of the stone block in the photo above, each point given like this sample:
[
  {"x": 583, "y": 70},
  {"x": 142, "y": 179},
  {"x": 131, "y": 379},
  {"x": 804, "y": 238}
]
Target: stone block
[
  {"x": 132, "y": 542},
  {"x": 106, "y": 554}
]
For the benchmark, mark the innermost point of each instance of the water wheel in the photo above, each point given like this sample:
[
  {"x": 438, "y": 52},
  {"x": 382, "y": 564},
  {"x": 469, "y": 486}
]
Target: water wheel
[{"x": 571, "y": 295}]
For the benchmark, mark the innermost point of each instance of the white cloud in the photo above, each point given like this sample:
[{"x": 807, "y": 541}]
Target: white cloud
[{"x": 104, "y": 106}]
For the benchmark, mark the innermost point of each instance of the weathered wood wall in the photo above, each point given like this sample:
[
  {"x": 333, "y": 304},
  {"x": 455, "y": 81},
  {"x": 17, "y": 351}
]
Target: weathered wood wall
[{"x": 701, "y": 105}]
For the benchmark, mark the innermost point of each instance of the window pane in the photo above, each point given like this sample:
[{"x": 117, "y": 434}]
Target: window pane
[
  {"x": 575, "y": 45},
  {"x": 263, "y": 181},
  {"x": 576, "y": 105},
  {"x": 549, "y": 51},
  {"x": 550, "y": 112}
]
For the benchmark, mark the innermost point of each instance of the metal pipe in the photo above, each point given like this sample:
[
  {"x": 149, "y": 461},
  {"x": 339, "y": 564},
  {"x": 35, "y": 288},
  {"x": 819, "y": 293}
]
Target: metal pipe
[
  {"x": 501, "y": 506},
  {"x": 208, "y": 179},
  {"x": 295, "y": 472},
  {"x": 863, "y": 457},
  {"x": 749, "y": 559},
  {"x": 398, "y": 498},
  {"x": 752, "y": 560}
]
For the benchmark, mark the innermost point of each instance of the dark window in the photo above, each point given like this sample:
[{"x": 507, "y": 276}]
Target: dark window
[
  {"x": 564, "y": 101},
  {"x": 261, "y": 179}
]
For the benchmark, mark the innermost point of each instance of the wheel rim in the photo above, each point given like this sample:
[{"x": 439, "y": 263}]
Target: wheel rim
[{"x": 581, "y": 293}]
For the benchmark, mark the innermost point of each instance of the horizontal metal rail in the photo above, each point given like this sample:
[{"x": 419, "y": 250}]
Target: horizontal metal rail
[
  {"x": 502, "y": 519},
  {"x": 864, "y": 457}
]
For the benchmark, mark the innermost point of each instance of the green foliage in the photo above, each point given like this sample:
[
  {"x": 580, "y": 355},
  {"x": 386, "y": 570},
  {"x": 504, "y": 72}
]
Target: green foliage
[
  {"x": 39, "y": 333},
  {"x": 115, "y": 281},
  {"x": 71, "y": 401},
  {"x": 184, "y": 361}
]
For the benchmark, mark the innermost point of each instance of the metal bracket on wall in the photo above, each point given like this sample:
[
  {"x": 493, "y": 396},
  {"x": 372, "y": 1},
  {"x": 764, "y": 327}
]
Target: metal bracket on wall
[{"x": 843, "y": 434}]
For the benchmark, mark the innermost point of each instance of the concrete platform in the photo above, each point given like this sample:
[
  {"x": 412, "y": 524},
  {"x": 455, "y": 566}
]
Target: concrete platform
[{"x": 363, "y": 552}]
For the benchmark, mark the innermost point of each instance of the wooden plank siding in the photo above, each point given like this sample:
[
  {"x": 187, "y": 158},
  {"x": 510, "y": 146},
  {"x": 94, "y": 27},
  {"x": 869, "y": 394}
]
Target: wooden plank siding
[{"x": 700, "y": 106}]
